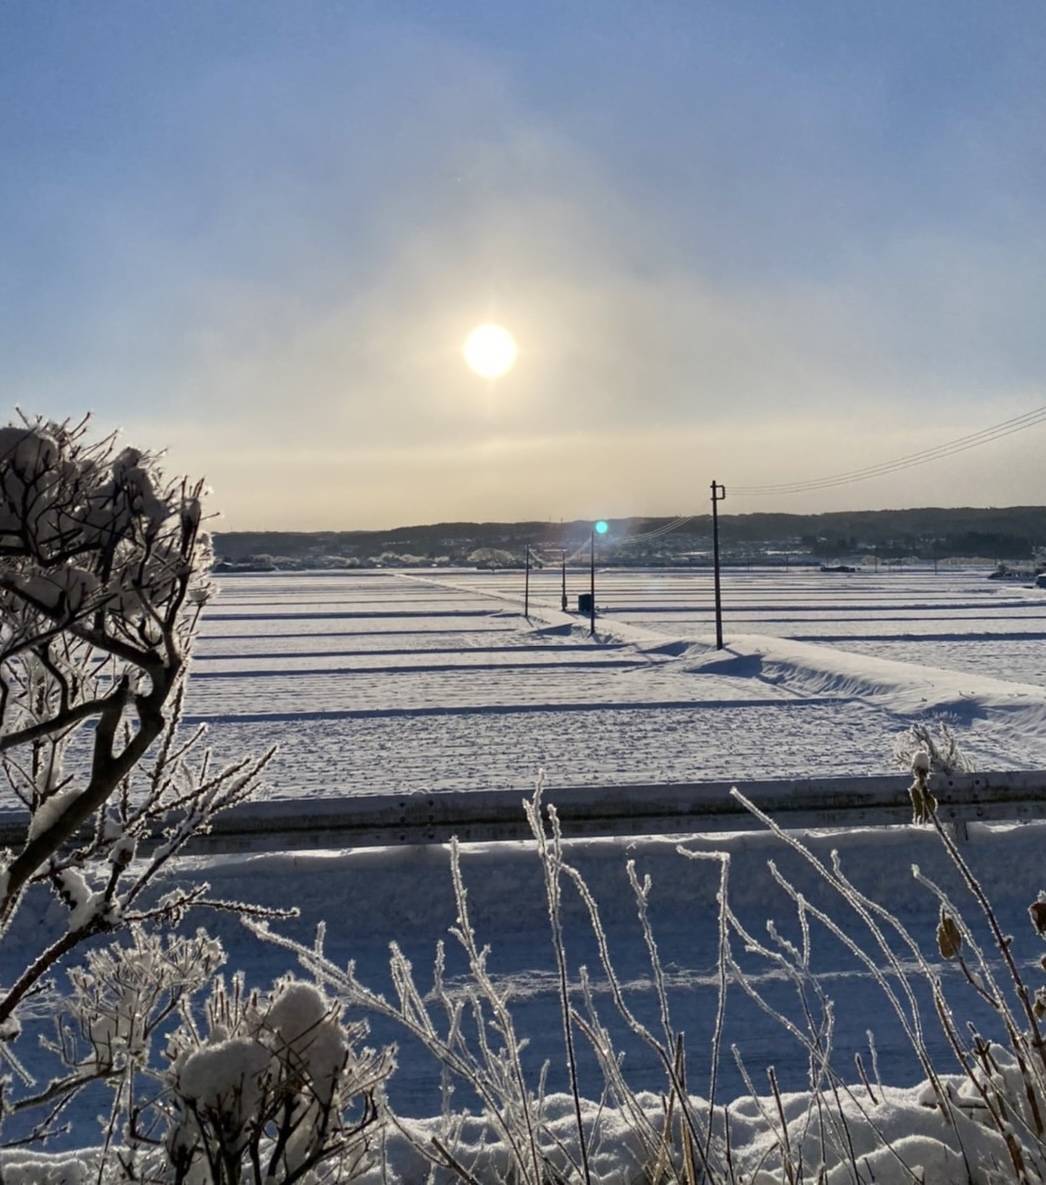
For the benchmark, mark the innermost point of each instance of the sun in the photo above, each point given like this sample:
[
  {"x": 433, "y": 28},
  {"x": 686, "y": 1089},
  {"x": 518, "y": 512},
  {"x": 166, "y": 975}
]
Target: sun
[{"x": 490, "y": 351}]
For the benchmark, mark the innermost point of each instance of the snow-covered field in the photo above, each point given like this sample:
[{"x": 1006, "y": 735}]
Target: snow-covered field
[
  {"x": 384, "y": 681},
  {"x": 372, "y": 897},
  {"x": 381, "y": 680},
  {"x": 911, "y": 606}
]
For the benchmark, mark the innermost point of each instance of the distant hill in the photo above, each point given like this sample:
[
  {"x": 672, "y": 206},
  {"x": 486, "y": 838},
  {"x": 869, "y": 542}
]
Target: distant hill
[{"x": 1003, "y": 533}]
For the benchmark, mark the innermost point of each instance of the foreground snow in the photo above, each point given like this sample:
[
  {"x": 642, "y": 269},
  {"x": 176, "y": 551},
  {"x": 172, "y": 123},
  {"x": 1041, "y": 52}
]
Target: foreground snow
[
  {"x": 371, "y": 897},
  {"x": 877, "y": 1130},
  {"x": 892, "y": 1137}
]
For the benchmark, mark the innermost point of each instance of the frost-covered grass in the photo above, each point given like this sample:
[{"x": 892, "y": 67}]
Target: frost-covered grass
[
  {"x": 833, "y": 973},
  {"x": 370, "y": 897},
  {"x": 987, "y": 1124}
]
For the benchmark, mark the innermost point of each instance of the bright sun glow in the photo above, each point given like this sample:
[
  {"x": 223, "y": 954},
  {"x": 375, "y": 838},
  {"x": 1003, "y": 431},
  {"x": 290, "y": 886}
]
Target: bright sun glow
[{"x": 490, "y": 351}]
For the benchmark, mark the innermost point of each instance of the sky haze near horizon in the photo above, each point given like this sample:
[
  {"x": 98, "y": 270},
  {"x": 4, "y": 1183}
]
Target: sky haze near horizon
[{"x": 741, "y": 240}]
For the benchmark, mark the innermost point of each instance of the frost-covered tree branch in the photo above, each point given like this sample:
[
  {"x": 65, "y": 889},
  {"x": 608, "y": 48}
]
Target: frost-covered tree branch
[
  {"x": 98, "y": 550},
  {"x": 104, "y": 571}
]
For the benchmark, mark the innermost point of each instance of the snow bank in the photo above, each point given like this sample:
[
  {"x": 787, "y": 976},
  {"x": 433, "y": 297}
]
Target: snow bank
[
  {"x": 891, "y": 1133},
  {"x": 397, "y": 892},
  {"x": 904, "y": 688},
  {"x": 918, "y": 1139},
  {"x": 41, "y": 1168}
]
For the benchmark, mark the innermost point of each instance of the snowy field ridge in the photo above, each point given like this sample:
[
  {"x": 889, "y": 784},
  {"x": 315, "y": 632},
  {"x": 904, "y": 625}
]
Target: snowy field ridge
[
  {"x": 907, "y": 688},
  {"x": 892, "y": 1138}
]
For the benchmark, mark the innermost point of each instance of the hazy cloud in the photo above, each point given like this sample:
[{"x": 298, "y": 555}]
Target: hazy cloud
[{"x": 282, "y": 293}]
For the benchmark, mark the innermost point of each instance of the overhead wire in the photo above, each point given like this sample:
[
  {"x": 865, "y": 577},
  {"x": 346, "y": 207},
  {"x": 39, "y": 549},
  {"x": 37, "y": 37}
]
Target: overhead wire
[
  {"x": 939, "y": 452},
  {"x": 950, "y": 448}
]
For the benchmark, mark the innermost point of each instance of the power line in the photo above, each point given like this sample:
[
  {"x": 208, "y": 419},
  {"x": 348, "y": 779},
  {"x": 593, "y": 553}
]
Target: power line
[
  {"x": 924, "y": 456},
  {"x": 939, "y": 452}
]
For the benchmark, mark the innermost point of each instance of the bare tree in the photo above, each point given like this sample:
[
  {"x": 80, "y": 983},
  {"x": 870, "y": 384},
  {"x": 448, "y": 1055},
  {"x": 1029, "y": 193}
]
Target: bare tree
[{"x": 104, "y": 571}]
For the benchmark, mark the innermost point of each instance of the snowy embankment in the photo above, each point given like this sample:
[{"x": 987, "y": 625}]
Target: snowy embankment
[
  {"x": 813, "y": 669},
  {"x": 371, "y": 897},
  {"x": 905, "y": 689},
  {"x": 810, "y": 668}
]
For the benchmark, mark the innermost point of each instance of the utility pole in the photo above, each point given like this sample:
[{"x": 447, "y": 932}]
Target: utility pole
[
  {"x": 592, "y": 583},
  {"x": 563, "y": 573},
  {"x": 718, "y": 494},
  {"x": 526, "y": 587}
]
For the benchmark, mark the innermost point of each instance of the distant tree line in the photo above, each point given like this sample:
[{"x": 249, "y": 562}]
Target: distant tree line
[{"x": 1013, "y": 532}]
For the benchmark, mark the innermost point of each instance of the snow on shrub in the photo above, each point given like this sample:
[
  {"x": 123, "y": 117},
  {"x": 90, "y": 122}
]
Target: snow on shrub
[
  {"x": 278, "y": 1081},
  {"x": 104, "y": 572}
]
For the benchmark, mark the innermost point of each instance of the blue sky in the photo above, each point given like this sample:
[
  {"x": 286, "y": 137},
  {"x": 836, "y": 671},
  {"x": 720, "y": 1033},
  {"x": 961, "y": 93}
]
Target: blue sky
[{"x": 754, "y": 241}]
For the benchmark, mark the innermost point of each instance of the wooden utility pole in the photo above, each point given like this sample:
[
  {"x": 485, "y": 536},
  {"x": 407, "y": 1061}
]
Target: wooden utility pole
[
  {"x": 718, "y": 494},
  {"x": 526, "y": 587},
  {"x": 592, "y": 583},
  {"x": 563, "y": 573}
]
